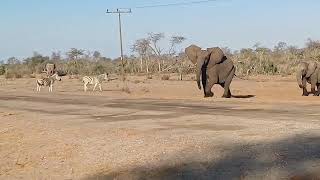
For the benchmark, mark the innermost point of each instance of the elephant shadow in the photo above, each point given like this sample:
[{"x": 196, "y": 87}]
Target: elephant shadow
[{"x": 243, "y": 96}]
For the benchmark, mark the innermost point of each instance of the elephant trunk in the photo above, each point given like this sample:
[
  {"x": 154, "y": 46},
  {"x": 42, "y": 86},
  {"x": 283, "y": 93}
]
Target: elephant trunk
[
  {"x": 299, "y": 79},
  {"x": 200, "y": 63},
  {"x": 302, "y": 74},
  {"x": 198, "y": 74}
]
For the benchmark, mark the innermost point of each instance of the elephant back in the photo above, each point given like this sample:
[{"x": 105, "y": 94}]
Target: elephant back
[{"x": 216, "y": 55}]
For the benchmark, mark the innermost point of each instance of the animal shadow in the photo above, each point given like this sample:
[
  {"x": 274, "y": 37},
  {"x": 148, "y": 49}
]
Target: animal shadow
[{"x": 243, "y": 96}]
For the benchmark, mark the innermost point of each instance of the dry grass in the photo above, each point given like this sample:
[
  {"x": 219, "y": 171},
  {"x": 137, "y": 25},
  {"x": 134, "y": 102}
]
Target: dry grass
[
  {"x": 145, "y": 90},
  {"x": 137, "y": 81}
]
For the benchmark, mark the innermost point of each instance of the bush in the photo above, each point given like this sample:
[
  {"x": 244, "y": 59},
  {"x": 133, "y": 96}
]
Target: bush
[
  {"x": 136, "y": 81},
  {"x": 149, "y": 76},
  {"x": 32, "y": 76},
  {"x": 10, "y": 75},
  {"x": 2, "y": 70},
  {"x": 165, "y": 77},
  {"x": 18, "y": 75},
  {"x": 99, "y": 69},
  {"x": 126, "y": 90}
]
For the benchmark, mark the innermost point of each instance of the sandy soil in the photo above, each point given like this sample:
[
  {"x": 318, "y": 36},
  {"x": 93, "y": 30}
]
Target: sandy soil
[{"x": 160, "y": 130}]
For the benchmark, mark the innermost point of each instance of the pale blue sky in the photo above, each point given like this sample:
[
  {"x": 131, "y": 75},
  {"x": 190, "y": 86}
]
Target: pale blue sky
[{"x": 52, "y": 25}]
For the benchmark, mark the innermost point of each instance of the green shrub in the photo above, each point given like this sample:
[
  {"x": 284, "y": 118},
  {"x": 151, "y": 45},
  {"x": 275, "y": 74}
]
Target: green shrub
[{"x": 2, "y": 70}]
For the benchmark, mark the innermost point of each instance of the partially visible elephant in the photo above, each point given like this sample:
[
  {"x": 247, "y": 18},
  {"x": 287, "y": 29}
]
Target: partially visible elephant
[
  {"x": 213, "y": 67},
  {"x": 309, "y": 72},
  {"x": 209, "y": 58}
]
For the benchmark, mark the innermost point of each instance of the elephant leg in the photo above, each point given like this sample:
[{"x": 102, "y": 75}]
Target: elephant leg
[
  {"x": 304, "y": 87},
  {"x": 227, "y": 93},
  {"x": 208, "y": 87},
  {"x": 211, "y": 79},
  {"x": 313, "y": 89},
  {"x": 313, "y": 79},
  {"x": 318, "y": 90},
  {"x": 223, "y": 86},
  {"x": 305, "y": 92}
]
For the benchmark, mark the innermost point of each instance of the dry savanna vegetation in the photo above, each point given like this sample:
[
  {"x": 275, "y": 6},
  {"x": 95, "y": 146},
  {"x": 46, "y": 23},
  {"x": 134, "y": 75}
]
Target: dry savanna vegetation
[{"x": 149, "y": 58}]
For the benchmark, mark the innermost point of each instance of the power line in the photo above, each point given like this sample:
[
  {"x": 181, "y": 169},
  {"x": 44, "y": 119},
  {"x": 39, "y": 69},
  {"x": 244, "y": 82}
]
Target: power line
[{"x": 174, "y": 4}]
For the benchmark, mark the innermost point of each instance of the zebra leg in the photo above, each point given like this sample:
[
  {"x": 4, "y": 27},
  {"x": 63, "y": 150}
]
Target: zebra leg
[
  {"x": 95, "y": 85},
  {"x": 100, "y": 87},
  {"x": 85, "y": 87}
]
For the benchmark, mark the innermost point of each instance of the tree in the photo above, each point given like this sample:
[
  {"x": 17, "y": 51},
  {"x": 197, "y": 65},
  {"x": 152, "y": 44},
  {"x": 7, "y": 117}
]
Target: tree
[
  {"x": 13, "y": 60},
  {"x": 312, "y": 45},
  {"x": 56, "y": 56},
  {"x": 280, "y": 47},
  {"x": 141, "y": 46},
  {"x": 96, "y": 55},
  {"x": 154, "y": 39},
  {"x": 74, "y": 53},
  {"x": 175, "y": 40},
  {"x": 36, "y": 62}
]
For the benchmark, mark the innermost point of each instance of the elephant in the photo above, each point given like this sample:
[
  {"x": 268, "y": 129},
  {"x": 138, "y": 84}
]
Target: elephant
[
  {"x": 309, "y": 72},
  {"x": 213, "y": 67}
]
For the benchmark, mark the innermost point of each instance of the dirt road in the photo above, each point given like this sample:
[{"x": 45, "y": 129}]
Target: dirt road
[{"x": 72, "y": 135}]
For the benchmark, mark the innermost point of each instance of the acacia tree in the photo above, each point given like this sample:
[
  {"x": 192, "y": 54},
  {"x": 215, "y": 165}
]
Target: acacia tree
[
  {"x": 150, "y": 47},
  {"x": 13, "y": 60},
  {"x": 175, "y": 40},
  {"x": 75, "y": 54},
  {"x": 96, "y": 55},
  {"x": 141, "y": 47},
  {"x": 154, "y": 39},
  {"x": 56, "y": 56}
]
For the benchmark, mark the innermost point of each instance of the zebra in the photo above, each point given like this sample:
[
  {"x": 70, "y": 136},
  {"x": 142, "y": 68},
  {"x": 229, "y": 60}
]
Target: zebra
[
  {"x": 96, "y": 80},
  {"x": 48, "y": 81}
]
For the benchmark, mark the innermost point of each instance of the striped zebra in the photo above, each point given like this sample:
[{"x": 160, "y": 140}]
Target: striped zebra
[
  {"x": 48, "y": 81},
  {"x": 94, "y": 80}
]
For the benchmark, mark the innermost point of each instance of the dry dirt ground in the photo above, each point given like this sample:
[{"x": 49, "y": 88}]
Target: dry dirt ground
[{"x": 161, "y": 130}]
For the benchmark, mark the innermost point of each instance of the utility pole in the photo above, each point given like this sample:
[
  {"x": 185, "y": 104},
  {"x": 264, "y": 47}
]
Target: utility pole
[{"x": 119, "y": 12}]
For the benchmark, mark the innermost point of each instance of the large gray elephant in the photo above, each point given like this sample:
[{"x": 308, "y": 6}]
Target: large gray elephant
[
  {"x": 213, "y": 67},
  {"x": 309, "y": 72}
]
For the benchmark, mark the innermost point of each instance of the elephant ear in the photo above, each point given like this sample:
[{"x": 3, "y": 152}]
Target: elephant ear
[
  {"x": 311, "y": 69},
  {"x": 193, "y": 53},
  {"x": 203, "y": 55},
  {"x": 216, "y": 55}
]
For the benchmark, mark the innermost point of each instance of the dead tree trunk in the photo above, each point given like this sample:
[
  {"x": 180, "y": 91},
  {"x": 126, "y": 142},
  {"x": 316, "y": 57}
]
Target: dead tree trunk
[
  {"x": 141, "y": 63},
  {"x": 159, "y": 65},
  {"x": 147, "y": 63}
]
